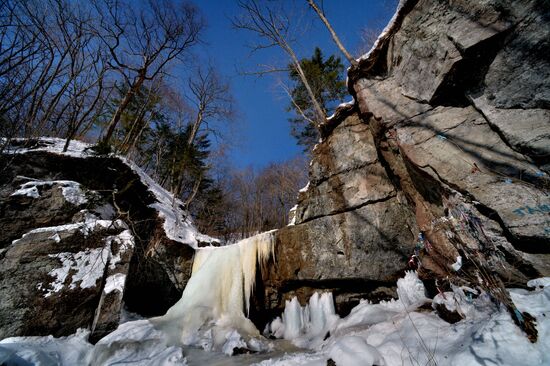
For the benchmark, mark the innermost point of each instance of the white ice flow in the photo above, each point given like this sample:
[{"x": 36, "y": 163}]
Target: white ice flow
[
  {"x": 210, "y": 312},
  {"x": 211, "y": 306}
]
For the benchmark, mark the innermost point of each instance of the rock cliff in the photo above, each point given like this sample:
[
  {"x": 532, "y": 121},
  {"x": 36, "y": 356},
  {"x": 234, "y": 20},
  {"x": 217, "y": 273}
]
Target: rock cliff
[
  {"x": 81, "y": 236},
  {"x": 441, "y": 163}
]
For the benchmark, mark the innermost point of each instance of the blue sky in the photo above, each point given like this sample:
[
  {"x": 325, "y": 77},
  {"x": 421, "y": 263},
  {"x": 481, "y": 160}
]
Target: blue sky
[{"x": 262, "y": 133}]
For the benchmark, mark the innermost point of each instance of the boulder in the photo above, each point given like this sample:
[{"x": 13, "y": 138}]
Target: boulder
[{"x": 80, "y": 241}]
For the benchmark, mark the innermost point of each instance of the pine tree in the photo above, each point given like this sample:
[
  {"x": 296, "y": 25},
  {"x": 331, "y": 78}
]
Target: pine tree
[{"x": 326, "y": 80}]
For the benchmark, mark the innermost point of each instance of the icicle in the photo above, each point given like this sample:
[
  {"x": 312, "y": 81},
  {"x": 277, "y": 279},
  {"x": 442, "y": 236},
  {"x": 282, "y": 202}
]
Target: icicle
[{"x": 308, "y": 323}]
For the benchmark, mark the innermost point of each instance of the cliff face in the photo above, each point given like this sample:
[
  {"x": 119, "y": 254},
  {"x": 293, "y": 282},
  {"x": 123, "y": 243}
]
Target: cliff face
[
  {"x": 444, "y": 155},
  {"x": 81, "y": 235}
]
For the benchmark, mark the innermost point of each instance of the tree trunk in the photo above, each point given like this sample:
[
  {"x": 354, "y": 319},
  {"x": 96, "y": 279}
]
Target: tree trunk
[
  {"x": 332, "y": 33},
  {"x": 122, "y": 107},
  {"x": 321, "y": 115}
]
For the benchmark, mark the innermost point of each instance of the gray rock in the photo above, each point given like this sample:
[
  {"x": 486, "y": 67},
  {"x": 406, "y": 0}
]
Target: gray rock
[
  {"x": 51, "y": 279},
  {"x": 451, "y": 140},
  {"x": 457, "y": 147},
  {"x": 353, "y": 234},
  {"x": 344, "y": 173},
  {"x": 46, "y": 237}
]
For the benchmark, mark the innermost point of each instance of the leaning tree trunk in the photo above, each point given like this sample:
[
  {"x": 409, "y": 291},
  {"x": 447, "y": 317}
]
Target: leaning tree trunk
[
  {"x": 332, "y": 33},
  {"x": 122, "y": 107}
]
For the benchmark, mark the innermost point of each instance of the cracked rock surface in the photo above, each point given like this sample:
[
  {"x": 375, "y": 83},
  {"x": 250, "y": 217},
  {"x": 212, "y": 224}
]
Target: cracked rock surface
[{"x": 449, "y": 139}]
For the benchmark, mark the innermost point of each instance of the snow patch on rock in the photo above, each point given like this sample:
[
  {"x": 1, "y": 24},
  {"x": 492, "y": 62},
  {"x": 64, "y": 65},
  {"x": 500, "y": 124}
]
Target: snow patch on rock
[
  {"x": 71, "y": 190},
  {"x": 86, "y": 267},
  {"x": 83, "y": 269},
  {"x": 125, "y": 241},
  {"x": 115, "y": 283}
]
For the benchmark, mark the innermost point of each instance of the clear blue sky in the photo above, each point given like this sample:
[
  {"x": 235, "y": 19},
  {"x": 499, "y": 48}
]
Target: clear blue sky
[{"x": 262, "y": 131}]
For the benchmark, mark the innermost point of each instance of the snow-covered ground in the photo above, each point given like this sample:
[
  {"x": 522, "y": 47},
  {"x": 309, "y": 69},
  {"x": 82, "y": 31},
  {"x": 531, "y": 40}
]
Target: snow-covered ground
[
  {"x": 397, "y": 333},
  {"x": 177, "y": 222},
  {"x": 388, "y": 333}
]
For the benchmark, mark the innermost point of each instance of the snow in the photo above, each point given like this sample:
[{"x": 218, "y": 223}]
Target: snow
[
  {"x": 391, "y": 24},
  {"x": 354, "y": 351},
  {"x": 71, "y": 190},
  {"x": 393, "y": 333},
  {"x": 86, "y": 267},
  {"x": 178, "y": 225},
  {"x": 55, "y": 237},
  {"x": 115, "y": 283},
  {"x": 50, "y": 144},
  {"x": 54, "y": 230},
  {"x": 125, "y": 241},
  {"x": 456, "y": 266},
  {"x": 46, "y": 351},
  {"x": 292, "y": 215},
  {"x": 542, "y": 282},
  {"x": 233, "y": 340},
  {"x": 90, "y": 224},
  {"x": 29, "y": 192},
  {"x": 342, "y": 105},
  {"x": 304, "y": 189},
  {"x": 177, "y": 222}
]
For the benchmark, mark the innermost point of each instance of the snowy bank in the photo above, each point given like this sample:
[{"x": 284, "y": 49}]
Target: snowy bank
[
  {"x": 177, "y": 223},
  {"x": 396, "y": 333},
  {"x": 388, "y": 333}
]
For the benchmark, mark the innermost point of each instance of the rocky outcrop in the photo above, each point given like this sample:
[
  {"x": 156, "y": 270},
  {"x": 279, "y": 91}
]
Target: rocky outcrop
[
  {"x": 441, "y": 165},
  {"x": 81, "y": 238},
  {"x": 353, "y": 230}
]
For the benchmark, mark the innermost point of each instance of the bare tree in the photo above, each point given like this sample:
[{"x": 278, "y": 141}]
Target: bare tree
[
  {"x": 273, "y": 26},
  {"x": 143, "y": 42},
  {"x": 332, "y": 32},
  {"x": 51, "y": 70},
  {"x": 211, "y": 100},
  {"x": 260, "y": 200}
]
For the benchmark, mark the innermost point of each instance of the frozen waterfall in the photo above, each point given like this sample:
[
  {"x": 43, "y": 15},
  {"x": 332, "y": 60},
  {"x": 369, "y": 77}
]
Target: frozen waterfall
[{"x": 212, "y": 304}]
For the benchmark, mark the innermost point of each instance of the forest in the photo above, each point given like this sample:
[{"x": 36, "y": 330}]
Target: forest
[{"x": 130, "y": 78}]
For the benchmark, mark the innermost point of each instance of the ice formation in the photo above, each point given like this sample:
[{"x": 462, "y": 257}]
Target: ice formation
[
  {"x": 410, "y": 290},
  {"x": 307, "y": 325},
  {"x": 212, "y": 304}
]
